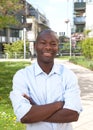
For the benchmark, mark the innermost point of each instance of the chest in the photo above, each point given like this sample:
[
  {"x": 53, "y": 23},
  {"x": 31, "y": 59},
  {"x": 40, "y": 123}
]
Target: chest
[{"x": 46, "y": 89}]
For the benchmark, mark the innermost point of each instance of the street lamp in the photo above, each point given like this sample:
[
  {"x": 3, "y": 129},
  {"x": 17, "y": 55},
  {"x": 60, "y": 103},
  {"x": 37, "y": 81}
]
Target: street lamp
[
  {"x": 24, "y": 38},
  {"x": 70, "y": 40},
  {"x": 68, "y": 23},
  {"x": 24, "y": 29}
]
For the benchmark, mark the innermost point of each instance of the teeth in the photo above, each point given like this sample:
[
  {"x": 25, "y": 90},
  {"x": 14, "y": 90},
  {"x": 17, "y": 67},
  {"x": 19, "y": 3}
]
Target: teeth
[{"x": 47, "y": 54}]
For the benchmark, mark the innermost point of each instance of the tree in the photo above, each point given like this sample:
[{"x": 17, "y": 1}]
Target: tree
[
  {"x": 8, "y": 11},
  {"x": 87, "y": 48},
  {"x": 65, "y": 48},
  {"x": 63, "y": 39},
  {"x": 86, "y": 32},
  {"x": 15, "y": 47}
]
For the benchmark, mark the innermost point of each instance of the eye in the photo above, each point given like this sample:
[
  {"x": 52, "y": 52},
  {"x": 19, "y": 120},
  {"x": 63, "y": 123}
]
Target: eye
[
  {"x": 42, "y": 42},
  {"x": 54, "y": 43}
]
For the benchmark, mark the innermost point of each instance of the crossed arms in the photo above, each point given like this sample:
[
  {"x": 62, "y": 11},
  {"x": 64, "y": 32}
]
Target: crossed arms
[{"x": 53, "y": 112}]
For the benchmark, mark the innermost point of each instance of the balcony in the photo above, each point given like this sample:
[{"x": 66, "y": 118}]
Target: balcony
[
  {"x": 4, "y": 39},
  {"x": 42, "y": 20},
  {"x": 79, "y": 5},
  {"x": 79, "y": 20}
]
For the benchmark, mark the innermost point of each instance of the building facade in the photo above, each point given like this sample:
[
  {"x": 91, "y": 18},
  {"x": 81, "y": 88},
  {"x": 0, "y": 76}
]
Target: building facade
[
  {"x": 82, "y": 16},
  {"x": 32, "y": 21},
  {"x": 35, "y": 22}
]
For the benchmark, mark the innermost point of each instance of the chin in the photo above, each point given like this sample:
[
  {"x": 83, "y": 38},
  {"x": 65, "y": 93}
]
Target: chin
[{"x": 48, "y": 60}]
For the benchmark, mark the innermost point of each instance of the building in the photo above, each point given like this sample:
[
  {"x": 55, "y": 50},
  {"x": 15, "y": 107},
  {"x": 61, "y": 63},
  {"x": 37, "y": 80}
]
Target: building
[
  {"x": 79, "y": 15},
  {"x": 82, "y": 16},
  {"x": 35, "y": 22},
  {"x": 89, "y": 23},
  {"x": 32, "y": 22}
]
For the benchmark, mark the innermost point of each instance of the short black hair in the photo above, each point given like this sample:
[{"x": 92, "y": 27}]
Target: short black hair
[{"x": 47, "y": 31}]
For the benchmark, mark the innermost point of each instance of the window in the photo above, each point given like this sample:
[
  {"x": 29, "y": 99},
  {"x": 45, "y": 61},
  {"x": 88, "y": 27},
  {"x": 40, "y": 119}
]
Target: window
[
  {"x": 14, "y": 33},
  {"x": 3, "y": 32},
  {"x": 29, "y": 27}
]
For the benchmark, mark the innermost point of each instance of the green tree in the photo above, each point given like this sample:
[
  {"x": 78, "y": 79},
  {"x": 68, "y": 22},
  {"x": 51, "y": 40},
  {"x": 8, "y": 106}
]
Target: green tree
[
  {"x": 87, "y": 48},
  {"x": 15, "y": 47},
  {"x": 63, "y": 39},
  {"x": 77, "y": 48},
  {"x": 8, "y": 11},
  {"x": 86, "y": 32},
  {"x": 65, "y": 48}
]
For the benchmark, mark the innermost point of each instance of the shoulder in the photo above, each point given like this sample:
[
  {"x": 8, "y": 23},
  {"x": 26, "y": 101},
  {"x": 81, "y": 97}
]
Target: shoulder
[
  {"x": 66, "y": 72},
  {"x": 63, "y": 69},
  {"x": 23, "y": 72}
]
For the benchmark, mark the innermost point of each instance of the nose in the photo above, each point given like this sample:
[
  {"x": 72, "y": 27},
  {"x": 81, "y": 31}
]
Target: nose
[{"x": 48, "y": 46}]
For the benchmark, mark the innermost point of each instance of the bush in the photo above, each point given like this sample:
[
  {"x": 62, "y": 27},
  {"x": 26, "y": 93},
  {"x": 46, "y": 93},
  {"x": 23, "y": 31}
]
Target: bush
[
  {"x": 82, "y": 61},
  {"x": 87, "y": 48},
  {"x": 16, "y": 47},
  {"x": 91, "y": 66}
]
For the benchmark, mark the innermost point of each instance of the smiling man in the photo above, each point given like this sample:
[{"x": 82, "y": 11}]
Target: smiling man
[
  {"x": 46, "y": 95},
  {"x": 46, "y": 47}
]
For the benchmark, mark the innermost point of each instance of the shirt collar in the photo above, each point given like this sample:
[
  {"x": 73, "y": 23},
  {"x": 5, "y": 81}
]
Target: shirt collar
[
  {"x": 55, "y": 69},
  {"x": 38, "y": 70}
]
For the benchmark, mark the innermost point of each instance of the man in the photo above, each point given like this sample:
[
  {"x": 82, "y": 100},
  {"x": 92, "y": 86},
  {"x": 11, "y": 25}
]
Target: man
[{"x": 46, "y": 95}]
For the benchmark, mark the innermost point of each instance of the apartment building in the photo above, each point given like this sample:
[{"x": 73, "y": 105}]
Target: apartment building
[
  {"x": 82, "y": 16},
  {"x": 35, "y": 22},
  {"x": 32, "y": 22}
]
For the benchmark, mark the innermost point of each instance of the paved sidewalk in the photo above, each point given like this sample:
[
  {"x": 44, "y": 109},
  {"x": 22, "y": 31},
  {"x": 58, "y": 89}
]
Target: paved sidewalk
[{"x": 85, "y": 77}]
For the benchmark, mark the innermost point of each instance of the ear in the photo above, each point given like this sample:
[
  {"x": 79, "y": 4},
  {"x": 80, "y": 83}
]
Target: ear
[
  {"x": 35, "y": 48},
  {"x": 35, "y": 45}
]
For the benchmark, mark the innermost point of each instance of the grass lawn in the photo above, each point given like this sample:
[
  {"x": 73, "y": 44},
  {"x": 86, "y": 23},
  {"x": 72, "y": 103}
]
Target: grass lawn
[
  {"x": 87, "y": 63},
  {"x": 64, "y": 57},
  {"x": 7, "y": 117}
]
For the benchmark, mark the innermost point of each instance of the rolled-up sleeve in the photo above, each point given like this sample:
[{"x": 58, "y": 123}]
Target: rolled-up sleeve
[
  {"x": 72, "y": 94},
  {"x": 20, "y": 104}
]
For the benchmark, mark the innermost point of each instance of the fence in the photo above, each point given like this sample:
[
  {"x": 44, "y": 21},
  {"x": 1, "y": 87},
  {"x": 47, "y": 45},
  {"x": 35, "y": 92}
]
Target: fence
[
  {"x": 15, "y": 55},
  {"x": 68, "y": 54},
  {"x": 28, "y": 55}
]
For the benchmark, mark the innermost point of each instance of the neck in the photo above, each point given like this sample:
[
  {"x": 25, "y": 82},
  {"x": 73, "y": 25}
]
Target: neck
[{"x": 46, "y": 67}]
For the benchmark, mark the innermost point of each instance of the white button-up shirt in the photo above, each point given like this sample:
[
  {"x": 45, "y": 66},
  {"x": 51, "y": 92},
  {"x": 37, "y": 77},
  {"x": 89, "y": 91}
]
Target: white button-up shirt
[{"x": 59, "y": 85}]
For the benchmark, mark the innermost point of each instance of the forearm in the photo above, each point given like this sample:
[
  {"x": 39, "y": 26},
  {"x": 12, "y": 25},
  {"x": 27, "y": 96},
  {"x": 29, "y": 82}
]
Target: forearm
[
  {"x": 41, "y": 112},
  {"x": 63, "y": 116}
]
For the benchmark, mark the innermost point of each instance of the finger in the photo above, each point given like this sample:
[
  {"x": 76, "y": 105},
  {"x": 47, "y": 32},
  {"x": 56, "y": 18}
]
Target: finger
[{"x": 27, "y": 97}]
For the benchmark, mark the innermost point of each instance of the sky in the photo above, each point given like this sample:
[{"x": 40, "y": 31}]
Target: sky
[{"x": 56, "y": 11}]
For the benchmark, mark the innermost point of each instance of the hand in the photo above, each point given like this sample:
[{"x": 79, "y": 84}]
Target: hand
[
  {"x": 30, "y": 99},
  {"x": 60, "y": 104}
]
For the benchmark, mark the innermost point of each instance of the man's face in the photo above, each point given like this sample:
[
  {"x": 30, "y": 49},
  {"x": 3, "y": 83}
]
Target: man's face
[{"x": 46, "y": 47}]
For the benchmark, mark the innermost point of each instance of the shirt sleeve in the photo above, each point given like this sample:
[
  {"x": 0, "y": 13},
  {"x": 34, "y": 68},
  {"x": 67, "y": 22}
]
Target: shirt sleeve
[
  {"x": 72, "y": 93},
  {"x": 20, "y": 104}
]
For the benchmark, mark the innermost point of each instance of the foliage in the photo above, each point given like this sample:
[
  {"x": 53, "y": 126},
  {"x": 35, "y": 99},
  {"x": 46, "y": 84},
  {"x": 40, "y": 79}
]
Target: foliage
[
  {"x": 77, "y": 48},
  {"x": 65, "y": 48},
  {"x": 64, "y": 57},
  {"x": 63, "y": 39},
  {"x": 86, "y": 32},
  {"x": 87, "y": 48},
  {"x": 8, "y": 11},
  {"x": 7, "y": 117},
  {"x": 15, "y": 47},
  {"x": 82, "y": 61}
]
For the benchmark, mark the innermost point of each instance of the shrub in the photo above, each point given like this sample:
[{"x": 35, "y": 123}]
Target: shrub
[
  {"x": 91, "y": 66},
  {"x": 87, "y": 48},
  {"x": 15, "y": 47}
]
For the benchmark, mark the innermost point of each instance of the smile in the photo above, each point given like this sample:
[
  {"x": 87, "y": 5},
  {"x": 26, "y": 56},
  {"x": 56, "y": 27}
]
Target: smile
[{"x": 47, "y": 54}]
